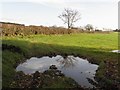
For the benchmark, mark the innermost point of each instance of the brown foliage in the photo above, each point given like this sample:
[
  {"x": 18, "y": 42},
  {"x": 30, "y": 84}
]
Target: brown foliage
[{"x": 13, "y": 29}]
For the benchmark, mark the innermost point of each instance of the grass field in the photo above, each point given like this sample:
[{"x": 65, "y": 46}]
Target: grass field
[
  {"x": 96, "y": 47},
  {"x": 100, "y": 41}
]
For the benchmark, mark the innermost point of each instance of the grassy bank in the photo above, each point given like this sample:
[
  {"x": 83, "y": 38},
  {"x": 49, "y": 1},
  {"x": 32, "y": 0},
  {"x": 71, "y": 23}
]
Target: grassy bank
[{"x": 95, "y": 47}]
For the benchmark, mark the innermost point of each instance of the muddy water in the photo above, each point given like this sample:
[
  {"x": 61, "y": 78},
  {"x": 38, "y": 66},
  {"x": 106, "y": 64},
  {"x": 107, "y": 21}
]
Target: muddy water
[{"x": 77, "y": 68}]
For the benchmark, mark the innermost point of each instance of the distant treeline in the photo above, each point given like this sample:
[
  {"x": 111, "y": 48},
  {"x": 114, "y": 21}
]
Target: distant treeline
[
  {"x": 117, "y": 30},
  {"x": 13, "y": 29}
]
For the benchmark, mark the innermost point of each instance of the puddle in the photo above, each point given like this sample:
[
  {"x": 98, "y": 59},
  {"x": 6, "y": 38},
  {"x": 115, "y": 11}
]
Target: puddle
[
  {"x": 116, "y": 51},
  {"x": 77, "y": 68}
]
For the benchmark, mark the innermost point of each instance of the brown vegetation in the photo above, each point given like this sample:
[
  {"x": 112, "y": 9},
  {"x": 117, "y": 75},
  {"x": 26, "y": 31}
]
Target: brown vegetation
[{"x": 13, "y": 29}]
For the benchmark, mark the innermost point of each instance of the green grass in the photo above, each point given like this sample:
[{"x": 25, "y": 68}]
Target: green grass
[
  {"x": 97, "y": 40},
  {"x": 95, "y": 47},
  {"x": 8, "y": 70},
  {"x": 84, "y": 44}
]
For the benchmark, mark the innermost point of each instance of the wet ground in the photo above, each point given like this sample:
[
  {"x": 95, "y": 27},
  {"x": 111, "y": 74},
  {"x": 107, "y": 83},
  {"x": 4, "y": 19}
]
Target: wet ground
[{"x": 77, "y": 68}]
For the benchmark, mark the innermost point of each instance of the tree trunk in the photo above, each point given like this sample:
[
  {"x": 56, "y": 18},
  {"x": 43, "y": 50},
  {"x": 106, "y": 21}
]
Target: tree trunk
[{"x": 68, "y": 21}]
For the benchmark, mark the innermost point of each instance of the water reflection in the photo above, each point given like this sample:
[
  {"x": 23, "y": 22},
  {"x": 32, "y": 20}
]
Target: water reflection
[
  {"x": 67, "y": 61},
  {"x": 116, "y": 51},
  {"x": 77, "y": 68}
]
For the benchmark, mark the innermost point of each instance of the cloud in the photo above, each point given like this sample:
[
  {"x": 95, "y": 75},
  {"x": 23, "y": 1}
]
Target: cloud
[
  {"x": 92, "y": 11},
  {"x": 12, "y": 0},
  {"x": 75, "y": 4},
  {"x": 58, "y": 1},
  {"x": 66, "y": 1}
]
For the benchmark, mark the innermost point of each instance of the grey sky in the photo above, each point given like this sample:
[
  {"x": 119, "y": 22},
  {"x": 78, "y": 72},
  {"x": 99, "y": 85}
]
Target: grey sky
[{"x": 99, "y": 13}]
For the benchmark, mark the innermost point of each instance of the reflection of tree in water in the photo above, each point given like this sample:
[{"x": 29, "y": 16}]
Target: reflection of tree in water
[{"x": 67, "y": 61}]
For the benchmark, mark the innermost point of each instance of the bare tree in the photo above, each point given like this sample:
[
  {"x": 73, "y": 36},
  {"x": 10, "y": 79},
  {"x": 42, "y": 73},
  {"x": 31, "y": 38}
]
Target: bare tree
[
  {"x": 89, "y": 27},
  {"x": 69, "y": 16}
]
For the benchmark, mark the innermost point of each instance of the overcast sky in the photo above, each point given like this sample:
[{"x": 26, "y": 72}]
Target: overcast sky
[{"x": 99, "y": 13}]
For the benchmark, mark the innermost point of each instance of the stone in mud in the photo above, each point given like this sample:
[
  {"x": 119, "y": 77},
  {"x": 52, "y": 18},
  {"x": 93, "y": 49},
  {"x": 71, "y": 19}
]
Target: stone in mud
[
  {"x": 58, "y": 73},
  {"x": 53, "y": 67},
  {"x": 18, "y": 75},
  {"x": 36, "y": 74}
]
